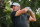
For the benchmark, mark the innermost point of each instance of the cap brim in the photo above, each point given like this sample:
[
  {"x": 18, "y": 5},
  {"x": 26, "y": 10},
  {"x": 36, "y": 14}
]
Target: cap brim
[{"x": 11, "y": 6}]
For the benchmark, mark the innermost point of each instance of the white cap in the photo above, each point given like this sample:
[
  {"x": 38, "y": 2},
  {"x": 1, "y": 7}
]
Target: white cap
[{"x": 16, "y": 4}]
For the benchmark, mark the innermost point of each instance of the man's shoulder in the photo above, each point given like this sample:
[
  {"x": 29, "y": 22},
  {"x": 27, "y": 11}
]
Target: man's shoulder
[{"x": 13, "y": 12}]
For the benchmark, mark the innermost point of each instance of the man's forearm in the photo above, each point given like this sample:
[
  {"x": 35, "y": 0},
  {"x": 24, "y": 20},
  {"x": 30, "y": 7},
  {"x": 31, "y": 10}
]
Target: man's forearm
[
  {"x": 21, "y": 12},
  {"x": 32, "y": 14},
  {"x": 24, "y": 10}
]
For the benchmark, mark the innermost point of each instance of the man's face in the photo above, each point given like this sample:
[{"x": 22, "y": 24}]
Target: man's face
[{"x": 16, "y": 8}]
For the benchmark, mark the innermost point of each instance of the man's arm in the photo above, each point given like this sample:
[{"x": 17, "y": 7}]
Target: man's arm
[
  {"x": 32, "y": 17},
  {"x": 19, "y": 12}
]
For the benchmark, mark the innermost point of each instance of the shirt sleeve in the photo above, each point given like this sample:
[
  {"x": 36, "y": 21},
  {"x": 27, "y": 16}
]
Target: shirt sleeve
[
  {"x": 13, "y": 13},
  {"x": 13, "y": 16}
]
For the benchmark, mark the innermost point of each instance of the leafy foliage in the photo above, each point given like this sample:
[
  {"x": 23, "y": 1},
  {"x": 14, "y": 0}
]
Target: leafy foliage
[{"x": 5, "y": 10}]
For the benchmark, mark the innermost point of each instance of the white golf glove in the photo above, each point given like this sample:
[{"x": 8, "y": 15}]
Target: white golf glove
[{"x": 29, "y": 9}]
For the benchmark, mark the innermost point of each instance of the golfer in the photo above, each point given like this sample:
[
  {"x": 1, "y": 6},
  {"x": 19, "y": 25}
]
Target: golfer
[{"x": 20, "y": 18}]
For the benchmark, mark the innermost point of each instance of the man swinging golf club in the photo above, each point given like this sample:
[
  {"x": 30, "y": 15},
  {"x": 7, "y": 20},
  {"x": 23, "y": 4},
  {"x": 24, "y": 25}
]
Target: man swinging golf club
[{"x": 19, "y": 17}]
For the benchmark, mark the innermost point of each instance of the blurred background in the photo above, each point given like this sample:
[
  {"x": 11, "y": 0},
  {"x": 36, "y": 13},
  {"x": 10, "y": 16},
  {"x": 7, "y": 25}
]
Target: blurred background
[{"x": 5, "y": 11}]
